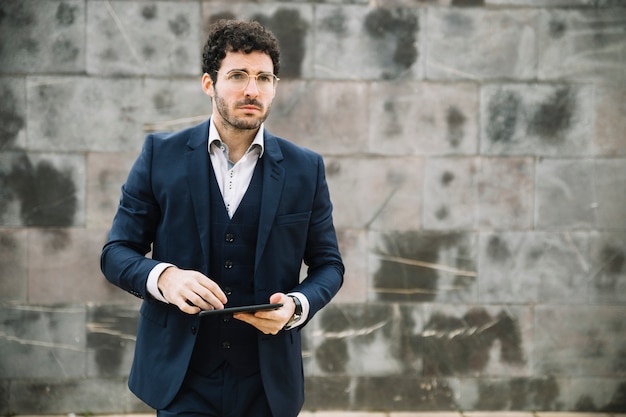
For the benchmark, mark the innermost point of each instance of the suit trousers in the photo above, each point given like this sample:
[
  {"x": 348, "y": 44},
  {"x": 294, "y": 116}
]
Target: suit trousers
[{"x": 223, "y": 393}]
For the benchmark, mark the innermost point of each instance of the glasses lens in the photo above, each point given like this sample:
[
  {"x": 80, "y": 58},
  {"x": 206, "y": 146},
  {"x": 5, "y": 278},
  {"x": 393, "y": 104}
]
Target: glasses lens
[{"x": 239, "y": 80}]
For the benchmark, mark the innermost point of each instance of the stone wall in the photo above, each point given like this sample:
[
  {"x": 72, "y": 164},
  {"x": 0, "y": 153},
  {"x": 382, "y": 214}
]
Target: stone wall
[{"x": 476, "y": 154}]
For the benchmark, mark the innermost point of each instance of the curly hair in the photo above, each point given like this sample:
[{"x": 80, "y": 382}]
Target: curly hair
[{"x": 237, "y": 36}]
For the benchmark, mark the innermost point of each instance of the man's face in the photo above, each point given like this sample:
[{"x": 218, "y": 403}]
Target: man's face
[{"x": 235, "y": 106}]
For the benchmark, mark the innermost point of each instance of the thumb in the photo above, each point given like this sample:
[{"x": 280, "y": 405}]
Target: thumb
[{"x": 277, "y": 298}]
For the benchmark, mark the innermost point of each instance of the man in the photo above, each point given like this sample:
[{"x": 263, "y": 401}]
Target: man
[{"x": 230, "y": 212}]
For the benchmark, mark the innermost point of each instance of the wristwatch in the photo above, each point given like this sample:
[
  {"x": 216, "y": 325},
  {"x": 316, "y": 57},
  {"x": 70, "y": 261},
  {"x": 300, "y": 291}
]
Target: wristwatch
[{"x": 297, "y": 314}]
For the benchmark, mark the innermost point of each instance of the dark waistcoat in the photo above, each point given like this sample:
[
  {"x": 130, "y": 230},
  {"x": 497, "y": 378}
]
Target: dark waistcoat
[{"x": 233, "y": 245}]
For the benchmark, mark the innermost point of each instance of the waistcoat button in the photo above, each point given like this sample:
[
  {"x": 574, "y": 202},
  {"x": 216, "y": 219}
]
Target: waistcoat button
[
  {"x": 193, "y": 329},
  {"x": 225, "y": 345},
  {"x": 230, "y": 238},
  {"x": 228, "y": 264}
]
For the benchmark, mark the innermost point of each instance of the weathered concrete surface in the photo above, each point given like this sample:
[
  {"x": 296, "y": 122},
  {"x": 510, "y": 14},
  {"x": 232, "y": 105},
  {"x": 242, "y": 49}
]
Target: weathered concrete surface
[{"x": 476, "y": 156}]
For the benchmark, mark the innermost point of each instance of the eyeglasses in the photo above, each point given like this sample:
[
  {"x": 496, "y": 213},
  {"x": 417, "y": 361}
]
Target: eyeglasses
[{"x": 238, "y": 80}]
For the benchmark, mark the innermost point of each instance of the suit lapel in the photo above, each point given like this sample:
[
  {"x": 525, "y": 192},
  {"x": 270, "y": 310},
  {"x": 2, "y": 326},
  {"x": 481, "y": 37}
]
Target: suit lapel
[
  {"x": 197, "y": 162},
  {"x": 273, "y": 178}
]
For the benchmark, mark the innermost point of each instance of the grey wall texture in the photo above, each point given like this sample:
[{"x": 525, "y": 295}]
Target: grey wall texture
[{"x": 476, "y": 155}]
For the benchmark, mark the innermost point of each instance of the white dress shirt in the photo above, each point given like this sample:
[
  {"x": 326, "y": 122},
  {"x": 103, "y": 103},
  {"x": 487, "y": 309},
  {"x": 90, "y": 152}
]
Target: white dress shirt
[{"x": 233, "y": 180}]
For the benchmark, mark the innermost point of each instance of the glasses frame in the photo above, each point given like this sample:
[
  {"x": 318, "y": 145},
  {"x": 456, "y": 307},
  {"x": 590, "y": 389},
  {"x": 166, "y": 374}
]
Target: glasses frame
[{"x": 250, "y": 76}]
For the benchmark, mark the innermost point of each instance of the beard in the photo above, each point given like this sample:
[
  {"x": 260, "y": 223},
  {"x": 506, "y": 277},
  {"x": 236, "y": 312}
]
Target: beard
[{"x": 247, "y": 123}]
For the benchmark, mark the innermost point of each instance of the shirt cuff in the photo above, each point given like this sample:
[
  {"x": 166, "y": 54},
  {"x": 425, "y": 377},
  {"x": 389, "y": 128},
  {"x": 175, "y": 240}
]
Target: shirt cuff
[
  {"x": 305, "y": 309},
  {"x": 153, "y": 279}
]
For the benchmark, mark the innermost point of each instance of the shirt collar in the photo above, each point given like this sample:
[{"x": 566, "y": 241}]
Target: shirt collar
[{"x": 214, "y": 138}]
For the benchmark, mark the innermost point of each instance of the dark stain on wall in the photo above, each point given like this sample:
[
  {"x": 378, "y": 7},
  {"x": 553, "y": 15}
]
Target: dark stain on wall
[
  {"x": 335, "y": 23},
  {"x": 109, "y": 334},
  {"x": 468, "y": 3},
  {"x": 455, "y": 121},
  {"x": 47, "y": 195},
  {"x": 404, "y": 273},
  {"x": 402, "y": 27},
  {"x": 502, "y": 115},
  {"x": 179, "y": 26},
  {"x": 149, "y": 12},
  {"x": 64, "y": 51},
  {"x": 11, "y": 122},
  {"x": 452, "y": 345},
  {"x": 290, "y": 29},
  {"x": 554, "y": 116},
  {"x": 66, "y": 14},
  {"x": 498, "y": 250},
  {"x": 557, "y": 29},
  {"x": 611, "y": 267}
]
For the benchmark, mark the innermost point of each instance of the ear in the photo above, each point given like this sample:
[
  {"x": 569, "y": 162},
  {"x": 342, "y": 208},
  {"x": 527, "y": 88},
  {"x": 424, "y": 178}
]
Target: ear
[{"x": 207, "y": 85}]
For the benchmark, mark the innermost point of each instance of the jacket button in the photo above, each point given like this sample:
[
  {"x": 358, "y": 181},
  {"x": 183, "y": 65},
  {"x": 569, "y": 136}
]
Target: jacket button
[
  {"x": 194, "y": 329},
  {"x": 228, "y": 290},
  {"x": 230, "y": 238},
  {"x": 225, "y": 345},
  {"x": 228, "y": 264}
]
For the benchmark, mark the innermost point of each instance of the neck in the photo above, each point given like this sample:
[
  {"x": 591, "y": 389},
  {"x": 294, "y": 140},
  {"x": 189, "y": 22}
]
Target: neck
[{"x": 238, "y": 140}]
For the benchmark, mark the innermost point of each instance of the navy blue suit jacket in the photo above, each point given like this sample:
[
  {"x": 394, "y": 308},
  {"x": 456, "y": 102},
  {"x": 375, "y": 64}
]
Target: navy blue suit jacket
[{"x": 165, "y": 208}]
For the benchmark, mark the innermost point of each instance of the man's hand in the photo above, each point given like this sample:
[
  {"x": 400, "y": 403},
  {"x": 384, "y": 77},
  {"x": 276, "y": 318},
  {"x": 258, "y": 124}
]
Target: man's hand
[
  {"x": 191, "y": 291},
  {"x": 271, "y": 321}
]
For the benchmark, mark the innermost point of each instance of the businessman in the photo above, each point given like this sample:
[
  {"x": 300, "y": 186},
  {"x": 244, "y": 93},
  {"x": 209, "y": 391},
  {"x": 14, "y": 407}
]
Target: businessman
[{"x": 230, "y": 213}]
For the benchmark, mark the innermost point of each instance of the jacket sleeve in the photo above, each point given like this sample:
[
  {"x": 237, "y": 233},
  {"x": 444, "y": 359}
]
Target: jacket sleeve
[
  {"x": 123, "y": 259},
  {"x": 325, "y": 268}
]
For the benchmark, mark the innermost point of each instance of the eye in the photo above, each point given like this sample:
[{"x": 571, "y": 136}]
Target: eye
[
  {"x": 237, "y": 76},
  {"x": 265, "y": 78}
]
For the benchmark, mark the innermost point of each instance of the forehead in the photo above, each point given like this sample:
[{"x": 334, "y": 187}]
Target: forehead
[{"x": 254, "y": 62}]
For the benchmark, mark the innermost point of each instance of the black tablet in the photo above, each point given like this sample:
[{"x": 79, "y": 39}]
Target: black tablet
[{"x": 242, "y": 309}]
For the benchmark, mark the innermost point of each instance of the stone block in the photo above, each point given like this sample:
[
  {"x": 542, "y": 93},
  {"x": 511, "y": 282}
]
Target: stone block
[
  {"x": 111, "y": 335},
  {"x": 69, "y": 395},
  {"x": 42, "y": 37},
  {"x": 85, "y": 113},
  {"x": 534, "y": 267},
  {"x": 313, "y": 114},
  {"x": 42, "y": 189},
  {"x": 291, "y": 23},
  {"x": 173, "y": 104},
  {"x": 582, "y": 45},
  {"x": 106, "y": 172},
  {"x": 357, "y": 339},
  {"x": 465, "y": 340},
  {"x": 12, "y": 112},
  {"x": 13, "y": 266},
  {"x": 64, "y": 267},
  {"x": 417, "y": 266},
  {"x": 405, "y": 393},
  {"x": 353, "y": 248},
  {"x": 139, "y": 38},
  {"x": 328, "y": 392},
  {"x": 410, "y": 118},
  {"x": 368, "y": 43},
  {"x": 42, "y": 342},
  {"x": 574, "y": 193},
  {"x": 467, "y": 193},
  {"x": 480, "y": 44},
  {"x": 609, "y": 121},
  {"x": 607, "y": 268},
  {"x": 492, "y": 396},
  {"x": 581, "y": 341},
  {"x": 376, "y": 193},
  {"x": 536, "y": 119}
]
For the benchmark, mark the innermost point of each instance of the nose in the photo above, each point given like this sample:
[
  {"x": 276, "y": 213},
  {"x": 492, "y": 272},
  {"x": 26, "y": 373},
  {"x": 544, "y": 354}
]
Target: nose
[{"x": 252, "y": 89}]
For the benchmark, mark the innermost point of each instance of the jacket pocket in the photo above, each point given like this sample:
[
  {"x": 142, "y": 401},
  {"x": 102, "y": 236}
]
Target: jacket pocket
[{"x": 293, "y": 218}]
